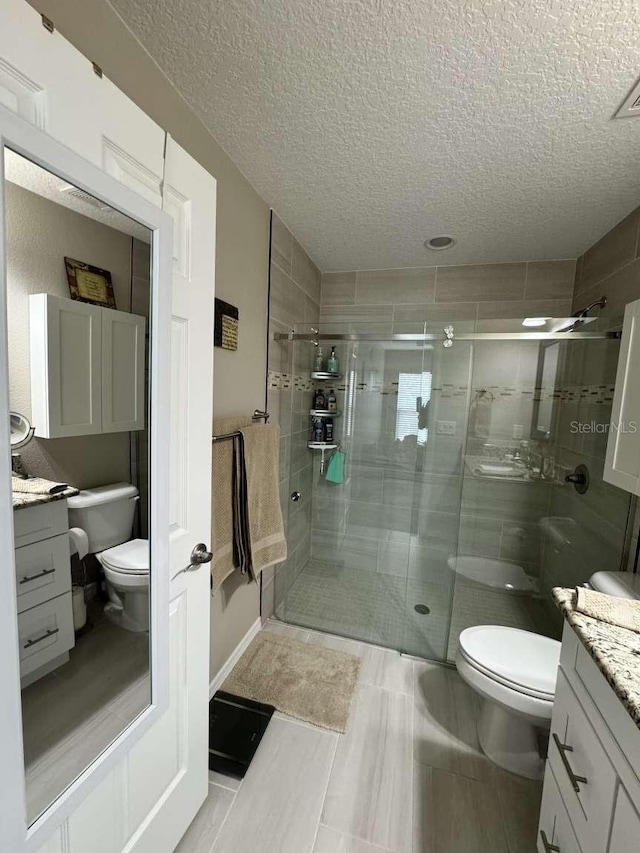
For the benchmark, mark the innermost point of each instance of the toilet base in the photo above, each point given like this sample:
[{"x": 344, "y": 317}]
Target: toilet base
[
  {"x": 510, "y": 741},
  {"x": 129, "y": 610}
]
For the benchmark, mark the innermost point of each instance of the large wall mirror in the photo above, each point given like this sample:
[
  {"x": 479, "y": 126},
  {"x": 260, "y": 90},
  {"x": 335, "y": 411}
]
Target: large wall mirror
[{"x": 79, "y": 299}]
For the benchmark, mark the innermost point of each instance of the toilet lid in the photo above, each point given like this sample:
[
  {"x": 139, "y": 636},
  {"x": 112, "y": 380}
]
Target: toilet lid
[
  {"x": 130, "y": 557},
  {"x": 519, "y": 659}
]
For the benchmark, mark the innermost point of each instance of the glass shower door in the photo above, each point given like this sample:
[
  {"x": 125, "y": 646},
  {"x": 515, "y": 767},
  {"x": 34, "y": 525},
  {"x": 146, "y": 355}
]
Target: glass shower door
[
  {"x": 365, "y": 529},
  {"x": 538, "y": 410}
]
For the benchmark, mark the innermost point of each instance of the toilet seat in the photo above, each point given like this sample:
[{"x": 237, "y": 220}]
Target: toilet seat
[
  {"x": 130, "y": 558},
  {"x": 520, "y": 660}
]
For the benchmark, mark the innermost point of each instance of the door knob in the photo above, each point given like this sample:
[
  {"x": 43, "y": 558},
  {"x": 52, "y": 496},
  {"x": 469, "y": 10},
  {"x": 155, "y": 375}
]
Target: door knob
[{"x": 199, "y": 555}]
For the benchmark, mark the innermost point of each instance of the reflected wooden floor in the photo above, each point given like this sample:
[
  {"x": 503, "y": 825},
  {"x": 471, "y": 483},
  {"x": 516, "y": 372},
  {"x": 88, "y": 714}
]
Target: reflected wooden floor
[{"x": 71, "y": 715}]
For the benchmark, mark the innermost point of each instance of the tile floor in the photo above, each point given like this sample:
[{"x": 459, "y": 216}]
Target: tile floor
[
  {"x": 408, "y": 777},
  {"x": 379, "y": 608},
  {"x": 71, "y": 715}
]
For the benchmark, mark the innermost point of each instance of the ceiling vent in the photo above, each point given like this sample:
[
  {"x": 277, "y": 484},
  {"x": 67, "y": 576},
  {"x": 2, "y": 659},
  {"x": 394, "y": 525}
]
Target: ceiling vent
[
  {"x": 84, "y": 196},
  {"x": 631, "y": 105}
]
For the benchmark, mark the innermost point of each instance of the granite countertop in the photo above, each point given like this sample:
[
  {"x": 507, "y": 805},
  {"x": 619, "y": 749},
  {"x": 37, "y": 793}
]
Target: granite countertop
[
  {"x": 22, "y": 499},
  {"x": 615, "y": 650}
]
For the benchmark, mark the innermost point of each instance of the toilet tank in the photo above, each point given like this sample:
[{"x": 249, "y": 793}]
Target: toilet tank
[{"x": 105, "y": 514}]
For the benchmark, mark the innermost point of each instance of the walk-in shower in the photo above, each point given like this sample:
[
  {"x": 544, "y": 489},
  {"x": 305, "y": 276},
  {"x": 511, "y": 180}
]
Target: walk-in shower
[{"x": 454, "y": 508}]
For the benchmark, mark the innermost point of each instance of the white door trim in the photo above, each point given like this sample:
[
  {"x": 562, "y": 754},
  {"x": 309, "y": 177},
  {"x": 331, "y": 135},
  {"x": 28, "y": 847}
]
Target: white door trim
[{"x": 50, "y": 154}]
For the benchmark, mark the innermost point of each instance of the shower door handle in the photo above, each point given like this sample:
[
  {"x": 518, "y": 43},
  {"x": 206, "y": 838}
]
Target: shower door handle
[{"x": 295, "y": 497}]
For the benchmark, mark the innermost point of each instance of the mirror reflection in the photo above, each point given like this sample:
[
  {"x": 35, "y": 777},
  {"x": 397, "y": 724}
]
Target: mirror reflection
[{"x": 78, "y": 290}]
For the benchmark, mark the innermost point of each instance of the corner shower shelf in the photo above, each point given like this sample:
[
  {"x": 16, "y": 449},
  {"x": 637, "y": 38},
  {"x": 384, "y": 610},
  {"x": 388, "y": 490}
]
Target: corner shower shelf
[
  {"x": 324, "y": 413},
  {"x": 322, "y": 445},
  {"x": 324, "y": 374}
]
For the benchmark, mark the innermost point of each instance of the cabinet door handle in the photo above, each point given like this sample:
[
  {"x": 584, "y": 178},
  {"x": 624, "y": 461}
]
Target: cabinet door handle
[
  {"x": 43, "y": 573},
  {"x": 563, "y": 748},
  {"x": 48, "y": 633},
  {"x": 548, "y": 846}
]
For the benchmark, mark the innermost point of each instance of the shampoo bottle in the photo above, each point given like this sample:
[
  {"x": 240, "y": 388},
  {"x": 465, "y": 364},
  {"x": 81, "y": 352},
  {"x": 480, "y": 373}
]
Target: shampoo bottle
[{"x": 332, "y": 362}]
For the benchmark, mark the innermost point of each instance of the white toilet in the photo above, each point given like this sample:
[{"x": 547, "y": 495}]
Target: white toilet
[
  {"x": 106, "y": 516},
  {"x": 515, "y": 673}
]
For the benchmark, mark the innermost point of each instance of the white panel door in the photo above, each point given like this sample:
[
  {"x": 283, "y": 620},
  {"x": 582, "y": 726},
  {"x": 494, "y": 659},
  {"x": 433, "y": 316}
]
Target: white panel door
[
  {"x": 52, "y": 85},
  {"x": 149, "y": 793},
  {"x": 66, "y": 352},
  {"x": 622, "y": 463},
  {"x": 123, "y": 397},
  {"x": 178, "y": 749}
]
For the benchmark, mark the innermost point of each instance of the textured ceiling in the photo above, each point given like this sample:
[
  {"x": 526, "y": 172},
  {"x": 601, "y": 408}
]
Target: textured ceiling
[{"x": 372, "y": 124}]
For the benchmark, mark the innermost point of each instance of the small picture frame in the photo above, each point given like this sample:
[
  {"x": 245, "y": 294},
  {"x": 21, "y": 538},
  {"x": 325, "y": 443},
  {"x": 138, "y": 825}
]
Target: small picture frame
[
  {"x": 225, "y": 332},
  {"x": 89, "y": 284}
]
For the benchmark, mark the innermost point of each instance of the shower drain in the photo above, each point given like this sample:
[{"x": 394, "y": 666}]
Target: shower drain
[{"x": 422, "y": 609}]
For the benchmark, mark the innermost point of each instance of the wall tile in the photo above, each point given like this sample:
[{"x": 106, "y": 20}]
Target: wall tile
[
  {"x": 339, "y": 288},
  {"x": 311, "y": 312},
  {"x": 528, "y": 308},
  {"x": 419, "y": 314},
  {"x": 616, "y": 249},
  {"x": 374, "y": 287},
  {"x": 281, "y": 243},
  {"x": 304, "y": 272},
  {"x": 620, "y": 288},
  {"x": 480, "y": 283},
  {"x": 356, "y": 313},
  {"x": 550, "y": 280},
  {"x": 287, "y": 302}
]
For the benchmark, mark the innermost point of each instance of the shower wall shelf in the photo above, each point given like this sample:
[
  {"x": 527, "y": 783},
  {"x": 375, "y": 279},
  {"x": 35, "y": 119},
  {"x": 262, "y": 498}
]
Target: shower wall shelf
[
  {"x": 324, "y": 413},
  {"x": 322, "y": 445},
  {"x": 324, "y": 374}
]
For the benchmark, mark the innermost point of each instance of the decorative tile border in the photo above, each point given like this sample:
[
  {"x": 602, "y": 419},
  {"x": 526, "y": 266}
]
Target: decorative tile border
[{"x": 596, "y": 394}]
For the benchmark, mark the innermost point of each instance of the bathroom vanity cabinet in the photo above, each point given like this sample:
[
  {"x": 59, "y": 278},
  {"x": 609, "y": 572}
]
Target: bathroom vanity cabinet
[
  {"x": 43, "y": 583},
  {"x": 87, "y": 368},
  {"x": 591, "y": 797}
]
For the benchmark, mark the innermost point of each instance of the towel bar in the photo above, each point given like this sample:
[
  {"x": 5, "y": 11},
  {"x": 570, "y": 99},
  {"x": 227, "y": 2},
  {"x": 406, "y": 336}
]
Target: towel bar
[{"x": 258, "y": 415}]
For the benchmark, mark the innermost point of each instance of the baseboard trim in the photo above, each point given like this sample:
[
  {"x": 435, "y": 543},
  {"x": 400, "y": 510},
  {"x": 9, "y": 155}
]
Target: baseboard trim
[{"x": 234, "y": 657}]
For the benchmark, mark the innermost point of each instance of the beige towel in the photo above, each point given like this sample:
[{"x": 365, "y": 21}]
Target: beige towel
[
  {"x": 221, "y": 501},
  {"x": 266, "y": 530},
  {"x": 624, "y": 612},
  {"x": 37, "y": 486}
]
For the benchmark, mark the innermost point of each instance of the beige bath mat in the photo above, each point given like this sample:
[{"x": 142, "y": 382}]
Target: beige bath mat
[{"x": 299, "y": 679}]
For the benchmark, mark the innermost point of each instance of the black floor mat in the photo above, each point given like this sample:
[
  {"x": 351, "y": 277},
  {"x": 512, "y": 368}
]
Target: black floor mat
[{"x": 236, "y": 727}]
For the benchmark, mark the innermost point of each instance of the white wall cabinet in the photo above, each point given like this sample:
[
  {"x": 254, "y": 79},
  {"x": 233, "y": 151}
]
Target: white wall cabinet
[
  {"x": 87, "y": 368},
  {"x": 123, "y": 356},
  {"x": 622, "y": 464},
  {"x": 591, "y": 796}
]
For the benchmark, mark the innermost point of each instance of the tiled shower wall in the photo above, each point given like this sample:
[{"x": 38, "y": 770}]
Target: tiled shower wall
[
  {"x": 611, "y": 268},
  {"x": 294, "y": 300},
  {"x": 499, "y": 519},
  {"x": 594, "y": 537},
  {"x": 400, "y": 300}
]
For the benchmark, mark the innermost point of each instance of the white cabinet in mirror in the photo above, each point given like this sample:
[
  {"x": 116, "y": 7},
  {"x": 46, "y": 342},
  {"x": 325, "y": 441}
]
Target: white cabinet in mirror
[{"x": 76, "y": 364}]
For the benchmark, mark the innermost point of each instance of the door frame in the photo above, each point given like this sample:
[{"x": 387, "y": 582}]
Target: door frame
[{"x": 34, "y": 144}]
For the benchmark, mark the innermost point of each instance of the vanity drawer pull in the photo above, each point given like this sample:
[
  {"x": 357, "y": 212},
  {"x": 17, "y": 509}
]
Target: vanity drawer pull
[
  {"x": 42, "y": 574},
  {"x": 49, "y": 633},
  {"x": 563, "y": 748},
  {"x": 548, "y": 846}
]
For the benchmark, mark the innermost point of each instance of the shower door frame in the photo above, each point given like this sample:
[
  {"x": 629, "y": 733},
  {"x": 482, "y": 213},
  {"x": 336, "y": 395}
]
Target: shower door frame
[{"x": 448, "y": 338}]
